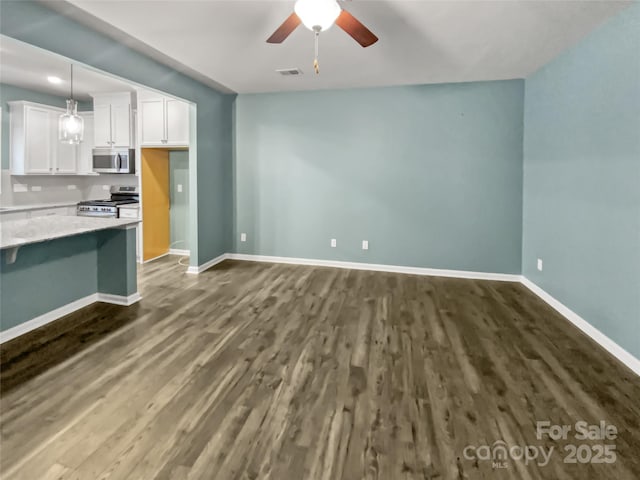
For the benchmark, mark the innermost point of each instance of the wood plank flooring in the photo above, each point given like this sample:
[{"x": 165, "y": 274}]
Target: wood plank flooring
[{"x": 266, "y": 371}]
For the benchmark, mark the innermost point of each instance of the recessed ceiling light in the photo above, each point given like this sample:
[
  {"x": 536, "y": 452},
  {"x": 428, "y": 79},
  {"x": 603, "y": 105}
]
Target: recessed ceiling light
[{"x": 53, "y": 79}]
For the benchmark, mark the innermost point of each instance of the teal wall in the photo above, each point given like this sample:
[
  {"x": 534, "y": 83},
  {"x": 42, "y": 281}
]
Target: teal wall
[
  {"x": 179, "y": 209},
  {"x": 117, "y": 267},
  {"x": 210, "y": 236},
  {"x": 582, "y": 179},
  {"x": 9, "y": 93},
  {"x": 430, "y": 175},
  {"x": 47, "y": 276}
]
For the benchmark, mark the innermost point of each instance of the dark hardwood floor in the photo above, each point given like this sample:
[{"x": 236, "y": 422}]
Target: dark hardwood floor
[{"x": 265, "y": 371}]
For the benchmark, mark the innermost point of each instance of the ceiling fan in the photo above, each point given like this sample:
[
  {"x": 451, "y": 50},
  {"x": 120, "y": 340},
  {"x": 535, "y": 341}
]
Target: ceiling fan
[{"x": 318, "y": 16}]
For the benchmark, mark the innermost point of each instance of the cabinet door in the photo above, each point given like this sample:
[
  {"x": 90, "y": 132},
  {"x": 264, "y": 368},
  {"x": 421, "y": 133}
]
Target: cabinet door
[
  {"x": 152, "y": 131},
  {"x": 38, "y": 147},
  {"x": 177, "y": 114},
  {"x": 65, "y": 158},
  {"x": 102, "y": 125},
  {"x": 121, "y": 124},
  {"x": 85, "y": 149},
  {"x": 64, "y": 154}
]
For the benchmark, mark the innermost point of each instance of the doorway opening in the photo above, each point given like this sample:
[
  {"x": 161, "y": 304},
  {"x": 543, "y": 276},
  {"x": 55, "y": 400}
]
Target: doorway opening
[{"x": 165, "y": 202}]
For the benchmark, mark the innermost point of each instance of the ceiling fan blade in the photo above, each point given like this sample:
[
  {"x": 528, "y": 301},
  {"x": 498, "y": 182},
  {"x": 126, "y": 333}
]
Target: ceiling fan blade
[
  {"x": 284, "y": 30},
  {"x": 357, "y": 30}
]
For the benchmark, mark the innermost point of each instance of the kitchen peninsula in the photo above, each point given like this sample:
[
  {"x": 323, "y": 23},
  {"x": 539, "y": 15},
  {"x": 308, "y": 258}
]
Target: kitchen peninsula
[{"x": 53, "y": 265}]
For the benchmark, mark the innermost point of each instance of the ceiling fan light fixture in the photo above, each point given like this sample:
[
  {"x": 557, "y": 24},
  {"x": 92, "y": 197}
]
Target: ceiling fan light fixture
[{"x": 317, "y": 13}]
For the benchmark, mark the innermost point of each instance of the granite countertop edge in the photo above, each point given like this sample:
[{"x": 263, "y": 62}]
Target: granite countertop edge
[{"x": 17, "y": 233}]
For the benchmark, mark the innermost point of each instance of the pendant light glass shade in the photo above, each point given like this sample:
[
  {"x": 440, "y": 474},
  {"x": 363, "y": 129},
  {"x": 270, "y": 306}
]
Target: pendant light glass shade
[
  {"x": 317, "y": 13},
  {"x": 70, "y": 124}
]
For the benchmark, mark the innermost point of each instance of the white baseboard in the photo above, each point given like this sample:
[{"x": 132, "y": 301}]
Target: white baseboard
[
  {"x": 600, "y": 338},
  {"x": 48, "y": 317},
  {"x": 119, "y": 299},
  {"x": 60, "y": 312},
  {"x": 505, "y": 277},
  {"x": 201, "y": 268},
  {"x": 178, "y": 251}
]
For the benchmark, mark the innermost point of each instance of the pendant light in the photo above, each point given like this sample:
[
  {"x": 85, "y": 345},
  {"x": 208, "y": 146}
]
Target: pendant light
[{"x": 70, "y": 124}]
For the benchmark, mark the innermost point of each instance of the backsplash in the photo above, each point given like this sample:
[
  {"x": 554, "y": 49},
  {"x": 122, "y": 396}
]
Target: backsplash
[{"x": 45, "y": 189}]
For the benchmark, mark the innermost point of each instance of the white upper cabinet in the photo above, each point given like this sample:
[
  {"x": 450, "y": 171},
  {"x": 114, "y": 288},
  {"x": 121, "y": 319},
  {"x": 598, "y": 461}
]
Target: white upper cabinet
[
  {"x": 85, "y": 149},
  {"x": 112, "y": 120},
  {"x": 34, "y": 146},
  {"x": 65, "y": 156},
  {"x": 177, "y": 118},
  {"x": 163, "y": 121},
  {"x": 151, "y": 112},
  {"x": 121, "y": 125},
  {"x": 36, "y": 142},
  {"x": 102, "y": 125}
]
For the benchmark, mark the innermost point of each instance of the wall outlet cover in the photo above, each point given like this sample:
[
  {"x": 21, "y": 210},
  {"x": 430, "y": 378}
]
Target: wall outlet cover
[
  {"x": 540, "y": 264},
  {"x": 179, "y": 188},
  {"x": 71, "y": 187},
  {"x": 365, "y": 244},
  {"x": 18, "y": 188},
  {"x": 36, "y": 188},
  {"x": 334, "y": 243},
  {"x": 243, "y": 237},
  {"x": 106, "y": 187}
]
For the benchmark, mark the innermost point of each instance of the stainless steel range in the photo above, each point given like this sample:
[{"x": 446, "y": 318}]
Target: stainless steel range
[{"x": 120, "y": 195}]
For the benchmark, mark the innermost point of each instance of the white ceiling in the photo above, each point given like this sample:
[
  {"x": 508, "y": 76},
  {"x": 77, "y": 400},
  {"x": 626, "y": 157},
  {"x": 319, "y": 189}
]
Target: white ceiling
[
  {"x": 27, "y": 66},
  {"x": 223, "y": 42}
]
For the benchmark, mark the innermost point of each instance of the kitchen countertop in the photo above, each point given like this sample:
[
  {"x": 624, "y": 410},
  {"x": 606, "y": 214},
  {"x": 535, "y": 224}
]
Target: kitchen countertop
[
  {"x": 35, "y": 206},
  {"x": 15, "y": 233}
]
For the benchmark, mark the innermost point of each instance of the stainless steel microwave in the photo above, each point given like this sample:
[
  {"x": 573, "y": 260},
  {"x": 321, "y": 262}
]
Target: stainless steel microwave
[{"x": 114, "y": 160}]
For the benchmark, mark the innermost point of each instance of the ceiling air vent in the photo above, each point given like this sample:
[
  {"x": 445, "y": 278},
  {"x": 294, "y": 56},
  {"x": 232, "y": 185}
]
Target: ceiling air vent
[{"x": 287, "y": 72}]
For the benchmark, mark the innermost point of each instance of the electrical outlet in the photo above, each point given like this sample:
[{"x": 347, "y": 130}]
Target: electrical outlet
[
  {"x": 540, "y": 264},
  {"x": 179, "y": 187},
  {"x": 36, "y": 188},
  {"x": 365, "y": 244},
  {"x": 334, "y": 243},
  {"x": 71, "y": 187},
  {"x": 243, "y": 237},
  {"x": 106, "y": 187},
  {"x": 18, "y": 188}
]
